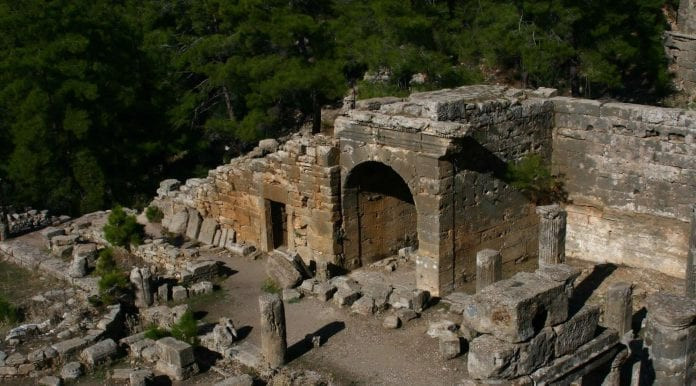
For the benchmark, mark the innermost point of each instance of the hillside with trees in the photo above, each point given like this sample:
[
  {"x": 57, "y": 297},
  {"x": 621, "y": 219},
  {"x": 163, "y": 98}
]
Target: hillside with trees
[{"x": 100, "y": 100}]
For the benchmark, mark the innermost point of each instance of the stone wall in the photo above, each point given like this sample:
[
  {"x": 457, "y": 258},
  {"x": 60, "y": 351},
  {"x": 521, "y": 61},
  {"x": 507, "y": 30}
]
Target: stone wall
[
  {"x": 681, "y": 52},
  {"x": 301, "y": 174},
  {"x": 630, "y": 172}
]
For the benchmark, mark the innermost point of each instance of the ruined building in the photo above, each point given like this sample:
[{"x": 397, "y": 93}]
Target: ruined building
[{"x": 427, "y": 172}]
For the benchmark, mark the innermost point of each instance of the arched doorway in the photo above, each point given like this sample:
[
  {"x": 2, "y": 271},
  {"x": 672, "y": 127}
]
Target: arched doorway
[{"x": 379, "y": 214}]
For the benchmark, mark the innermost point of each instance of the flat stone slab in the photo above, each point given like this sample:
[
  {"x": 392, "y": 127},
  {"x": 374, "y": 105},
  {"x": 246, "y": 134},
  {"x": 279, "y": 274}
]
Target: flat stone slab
[
  {"x": 671, "y": 310},
  {"x": 514, "y": 310},
  {"x": 69, "y": 346}
]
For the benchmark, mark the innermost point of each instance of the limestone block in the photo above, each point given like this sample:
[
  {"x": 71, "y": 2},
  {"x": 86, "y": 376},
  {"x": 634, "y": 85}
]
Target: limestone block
[
  {"x": 307, "y": 286},
  {"x": 178, "y": 222},
  {"x": 363, "y": 306},
  {"x": 50, "y": 380},
  {"x": 216, "y": 237},
  {"x": 15, "y": 359},
  {"x": 194, "y": 224},
  {"x": 391, "y": 322},
  {"x": 490, "y": 357},
  {"x": 163, "y": 292},
  {"x": 67, "y": 347},
  {"x": 169, "y": 185},
  {"x": 141, "y": 377},
  {"x": 62, "y": 251},
  {"x": 489, "y": 268},
  {"x": 179, "y": 293},
  {"x": 618, "y": 313},
  {"x": 291, "y": 295},
  {"x": 441, "y": 328},
  {"x": 78, "y": 267},
  {"x": 49, "y": 233},
  {"x": 450, "y": 346},
  {"x": 515, "y": 309},
  {"x": 563, "y": 273},
  {"x": 327, "y": 156},
  {"x": 324, "y": 291},
  {"x": 273, "y": 336},
  {"x": 64, "y": 240},
  {"x": 71, "y": 371},
  {"x": 379, "y": 291},
  {"x": 87, "y": 251},
  {"x": 176, "y": 359},
  {"x": 283, "y": 271},
  {"x": 207, "y": 231},
  {"x": 202, "y": 288},
  {"x": 577, "y": 331},
  {"x": 99, "y": 352},
  {"x": 345, "y": 297},
  {"x": 406, "y": 315},
  {"x": 136, "y": 348},
  {"x": 268, "y": 145}
]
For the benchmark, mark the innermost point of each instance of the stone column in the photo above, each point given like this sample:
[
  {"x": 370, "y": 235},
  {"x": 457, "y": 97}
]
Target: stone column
[
  {"x": 273, "y": 339},
  {"x": 552, "y": 232},
  {"x": 489, "y": 268},
  {"x": 323, "y": 274},
  {"x": 691, "y": 258},
  {"x": 618, "y": 313},
  {"x": 142, "y": 280},
  {"x": 671, "y": 338}
]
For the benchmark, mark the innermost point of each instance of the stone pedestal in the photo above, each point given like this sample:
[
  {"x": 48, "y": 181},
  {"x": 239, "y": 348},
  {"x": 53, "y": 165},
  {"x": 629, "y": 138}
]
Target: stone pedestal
[
  {"x": 176, "y": 359},
  {"x": 691, "y": 258},
  {"x": 552, "y": 232},
  {"x": 273, "y": 340},
  {"x": 489, "y": 268},
  {"x": 142, "y": 280},
  {"x": 671, "y": 338},
  {"x": 619, "y": 308}
]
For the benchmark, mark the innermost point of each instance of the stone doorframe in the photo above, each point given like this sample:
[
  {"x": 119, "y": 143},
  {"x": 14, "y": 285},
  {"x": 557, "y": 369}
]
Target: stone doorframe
[{"x": 421, "y": 161}]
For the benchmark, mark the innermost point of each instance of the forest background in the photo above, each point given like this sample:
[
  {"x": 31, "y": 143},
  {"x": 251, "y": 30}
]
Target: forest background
[{"x": 100, "y": 100}]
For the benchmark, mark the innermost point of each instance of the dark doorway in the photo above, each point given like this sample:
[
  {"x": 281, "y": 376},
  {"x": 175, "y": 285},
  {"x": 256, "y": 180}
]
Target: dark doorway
[
  {"x": 379, "y": 214},
  {"x": 279, "y": 225}
]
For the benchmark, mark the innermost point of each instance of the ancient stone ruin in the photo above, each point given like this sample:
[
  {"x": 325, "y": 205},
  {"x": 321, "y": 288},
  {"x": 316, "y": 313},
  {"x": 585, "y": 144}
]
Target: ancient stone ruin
[{"x": 401, "y": 220}]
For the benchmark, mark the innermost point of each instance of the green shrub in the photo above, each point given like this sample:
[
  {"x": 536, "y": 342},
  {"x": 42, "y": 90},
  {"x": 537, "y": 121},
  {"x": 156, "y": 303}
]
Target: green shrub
[
  {"x": 113, "y": 286},
  {"x": 155, "y": 333},
  {"x": 269, "y": 285},
  {"x": 9, "y": 314},
  {"x": 532, "y": 176},
  {"x": 154, "y": 214},
  {"x": 186, "y": 328},
  {"x": 122, "y": 229},
  {"x": 105, "y": 262}
]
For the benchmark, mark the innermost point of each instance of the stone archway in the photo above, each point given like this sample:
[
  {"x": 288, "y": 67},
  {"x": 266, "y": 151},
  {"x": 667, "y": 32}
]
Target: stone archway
[{"x": 380, "y": 215}]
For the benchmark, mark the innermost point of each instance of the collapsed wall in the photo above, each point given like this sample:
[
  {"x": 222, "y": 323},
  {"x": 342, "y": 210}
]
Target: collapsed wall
[
  {"x": 276, "y": 196},
  {"x": 630, "y": 171}
]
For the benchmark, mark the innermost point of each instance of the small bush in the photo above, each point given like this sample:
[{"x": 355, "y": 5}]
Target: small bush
[
  {"x": 532, "y": 176},
  {"x": 186, "y": 329},
  {"x": 155, "y": 333},
  {"x": 9, "y": 314},
  {"x": 269, "y": 285},
  {"x": 105, "y": 262},
  {"x": 122, "y": 229},
  {"x": 154, "y": 214},
  {"x": 113, "y": 286}
]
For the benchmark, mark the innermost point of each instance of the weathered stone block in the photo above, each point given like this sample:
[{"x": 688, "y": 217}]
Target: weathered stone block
[
  {"x": 202, "y": 288},
  {"x": 99, "y": 352},
  {"x": 492, "y": 358},
  {"x": 450, "y": 346},
  {"x": 577, "y": 331},
  {"x": 176, "y": 359},
  {"x": 283, "y": 270},
  {"x": 50, "y": 380},
  {"x": 391, "y": 322},
  {"x": 515, "y": 309},
  {"x": 324, "y": 291},
  {"x": 207, "y": 231},
  {"x": 178, "y": 222},
  {"x": 193, "y": 225},
  {"x": 71, "y": 371},
  {"x": 345, "y": 297},
  {"x": 363, "y": 306},
  {"x": 67, "y": 347},
  {"x": 179, "y": 293}
]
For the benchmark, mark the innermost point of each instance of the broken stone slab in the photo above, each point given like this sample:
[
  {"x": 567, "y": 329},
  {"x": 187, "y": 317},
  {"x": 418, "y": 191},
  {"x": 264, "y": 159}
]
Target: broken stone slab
[
  {"x": 489, "y": 268},
  {"x": 581, "y": 358},
  {"x": 268, "y": 145},
  {"x": 363, "y": 306},
  {"x": 8, "y": 370},
  {"x": 578, "y": 330},
  {"x": 379, "y": 291},
  {"x": 406, "y": 315},
  {"x": 78, "y": 267},
  {"x": 62, "y": 251},
  {"x": 99, "y": 352},
  {"x": 194, "y": 224},
  {"x": 42, "y": 356},
  {"x": 490, "y": 357},
  {"x": 130, "y": 339},
  {"x": 345, "y": 283},
  {"x": 514, "y": 310},
  {"x": 671, "y": 310},
  {"x": 49, "y": 233},
  {"x": 307, "y": 286},
  {"x": 238, "y": 380},
  {"x": 68, "y": 347},
  {"x": 282, "y": 270},
  {"x": 150, "y": 354},
  {"x": 163, "y": 316},
  {"x": 176, "y": 359},
  {"x": 206, "y": 234},
  {"x": 71, "y": 371},
  {"x": 239, "y": 249},
  {"x": 64, "y": 240},
  {"x": 88, "y": 251},
  {"x": 450, "y": 346},
  {"x": 618, "y": 312},
  {"x": 141, "y": 278},
  {"x": 456, "y": 301},
  {"x": 177, "y": 223},
  {"x": 521, "y": 381},
  {"x": 391, "y": 322},
  {"x": 15, "y": 359}
]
